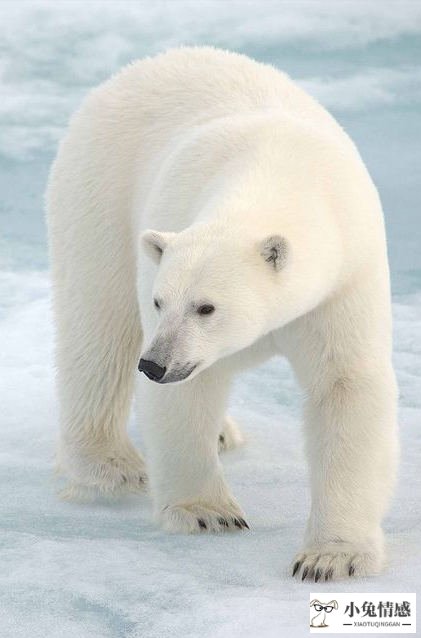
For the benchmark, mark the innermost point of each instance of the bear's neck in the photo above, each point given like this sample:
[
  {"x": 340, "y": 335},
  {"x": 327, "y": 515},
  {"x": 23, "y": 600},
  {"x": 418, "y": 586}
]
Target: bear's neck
[{"x": 236, "y": 200}]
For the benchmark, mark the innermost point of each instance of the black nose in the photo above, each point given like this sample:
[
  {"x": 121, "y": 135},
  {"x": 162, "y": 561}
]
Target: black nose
[{"x": 151, "y": 369}]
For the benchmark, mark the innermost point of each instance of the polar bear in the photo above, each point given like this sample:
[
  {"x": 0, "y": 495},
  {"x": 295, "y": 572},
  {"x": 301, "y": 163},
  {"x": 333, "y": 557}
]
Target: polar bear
[{"x": 205, "y": 214}]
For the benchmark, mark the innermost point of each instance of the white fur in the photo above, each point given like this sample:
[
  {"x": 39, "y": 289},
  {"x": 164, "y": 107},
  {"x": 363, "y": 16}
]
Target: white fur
[{"x": 263, "y": 208}]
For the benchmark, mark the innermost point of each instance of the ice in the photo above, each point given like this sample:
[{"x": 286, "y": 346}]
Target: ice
[{"x": 105, "y": 570}]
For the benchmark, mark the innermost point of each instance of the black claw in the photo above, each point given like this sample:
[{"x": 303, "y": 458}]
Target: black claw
[
  {"x": 305, "y": 572},
  {"x": 351, "y": 570},
  {"x": 329, "y": 574},
  {"x": 237, "y": 523},
  {"x": 244, "y": 523},
  {"x": 202, "y": 523},
  {"x": 317, "y": 575},
  {"x": 221, "y": 438},
  {"x": 296, "y": 567},
  {"x": 223, "y": 522}
]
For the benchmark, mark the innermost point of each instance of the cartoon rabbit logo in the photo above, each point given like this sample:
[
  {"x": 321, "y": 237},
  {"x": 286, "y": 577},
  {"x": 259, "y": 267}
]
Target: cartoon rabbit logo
[{"x": 319, "y": 620}]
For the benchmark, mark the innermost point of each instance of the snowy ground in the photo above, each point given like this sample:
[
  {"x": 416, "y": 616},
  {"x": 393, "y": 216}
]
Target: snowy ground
[{"x": 104, "y": 570}]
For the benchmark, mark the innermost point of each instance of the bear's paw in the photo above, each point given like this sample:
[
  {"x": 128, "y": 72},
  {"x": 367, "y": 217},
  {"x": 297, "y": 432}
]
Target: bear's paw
[
  {"x": 110, "y": 474},
  {"x": 230, "y": 436},
  {"x": 337, "y": 560},
  {"x": 197, "y": 518}
]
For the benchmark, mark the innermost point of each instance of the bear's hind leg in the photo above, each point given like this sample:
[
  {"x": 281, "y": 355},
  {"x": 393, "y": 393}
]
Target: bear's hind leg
[
  {"x": 230, "y": 436},
  {"x": 96, "y": 363},
  {"x": 95, "y": 378},
  {"x": 98, "y": 329}
]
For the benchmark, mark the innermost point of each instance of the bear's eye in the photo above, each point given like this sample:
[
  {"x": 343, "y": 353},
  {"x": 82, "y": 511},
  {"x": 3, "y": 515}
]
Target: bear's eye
[
  {"x": 206, "y": 309},
  {"x": 156, "y": 304}
]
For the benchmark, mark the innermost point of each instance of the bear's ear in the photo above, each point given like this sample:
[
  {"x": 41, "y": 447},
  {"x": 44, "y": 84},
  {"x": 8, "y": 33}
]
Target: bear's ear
[
  {"x": 154, "y": 243},
  {"x": 274, "y": 249}
]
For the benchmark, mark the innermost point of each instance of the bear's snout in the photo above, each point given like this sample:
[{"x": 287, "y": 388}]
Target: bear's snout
[{"x": 152, "y": 370}]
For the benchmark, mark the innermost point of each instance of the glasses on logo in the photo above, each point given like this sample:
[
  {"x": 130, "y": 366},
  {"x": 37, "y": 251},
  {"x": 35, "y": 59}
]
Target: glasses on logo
[{"x": 327, "y": 608}]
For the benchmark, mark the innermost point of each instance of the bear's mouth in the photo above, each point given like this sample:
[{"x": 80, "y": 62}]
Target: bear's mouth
[{"x": 178, "y": 374}]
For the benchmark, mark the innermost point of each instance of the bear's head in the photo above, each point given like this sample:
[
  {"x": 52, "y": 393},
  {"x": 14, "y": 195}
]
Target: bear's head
[{"x": 215, "y": 293}]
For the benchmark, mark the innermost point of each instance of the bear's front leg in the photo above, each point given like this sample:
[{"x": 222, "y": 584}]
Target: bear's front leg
[
  {"x": 351, "y": 447},
  {"x": 181, "y": 425}
]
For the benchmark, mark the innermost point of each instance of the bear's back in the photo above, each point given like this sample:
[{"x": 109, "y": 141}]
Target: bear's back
[{"x": 192, "y": 85}]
